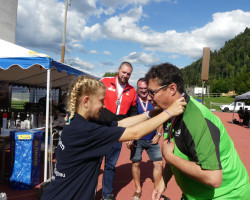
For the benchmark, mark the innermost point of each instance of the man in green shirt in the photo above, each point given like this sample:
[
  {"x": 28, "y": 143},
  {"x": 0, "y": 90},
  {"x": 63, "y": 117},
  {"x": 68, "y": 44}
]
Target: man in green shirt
[{"x": 198, "y": 150}]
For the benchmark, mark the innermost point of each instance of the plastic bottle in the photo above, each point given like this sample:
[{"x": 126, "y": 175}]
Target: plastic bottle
[
  {"x": 27, "y": 123},
  {"x": 18, "y": 121},
  {"x": 4, "y": 122},
  {"x": 12, "y": 121}
]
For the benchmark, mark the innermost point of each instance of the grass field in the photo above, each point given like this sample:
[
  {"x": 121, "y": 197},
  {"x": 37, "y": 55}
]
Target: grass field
[
  {"x": 18, "y": 105},
  {"x": 222, "y": 100}
]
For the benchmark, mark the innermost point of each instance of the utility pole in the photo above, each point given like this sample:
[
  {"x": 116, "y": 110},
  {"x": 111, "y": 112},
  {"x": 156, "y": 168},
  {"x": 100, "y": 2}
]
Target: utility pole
[{"x": 64, "y": 32}]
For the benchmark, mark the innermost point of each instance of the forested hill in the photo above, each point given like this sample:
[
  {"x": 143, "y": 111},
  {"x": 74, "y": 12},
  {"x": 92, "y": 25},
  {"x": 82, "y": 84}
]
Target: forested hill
[{"x": 229, "y": 68}]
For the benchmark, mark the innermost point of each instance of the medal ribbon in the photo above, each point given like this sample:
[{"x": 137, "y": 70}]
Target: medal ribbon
[
  {"x": 142, "y": 104},
  {"x": 174, "y": 120},
  {"x": 119, "y": 96}
]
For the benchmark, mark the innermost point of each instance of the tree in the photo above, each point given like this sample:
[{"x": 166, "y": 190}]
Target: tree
[
  {"x": 220, "y": 86},
  {"x": 229, "y": 67},
  {"x": 242, "y": 82},
  {"x": 110, "y": 74}
]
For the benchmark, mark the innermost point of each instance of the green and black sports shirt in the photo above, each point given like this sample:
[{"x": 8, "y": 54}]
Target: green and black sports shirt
[{"x": 201, "y": 137}]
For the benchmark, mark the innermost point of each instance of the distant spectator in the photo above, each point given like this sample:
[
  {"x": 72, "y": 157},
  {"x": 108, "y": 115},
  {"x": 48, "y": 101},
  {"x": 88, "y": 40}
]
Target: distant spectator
[
  {"x": 246, "y": 117},
  {"x": 42, "y": 103},
  {"x": 62, "y": 103},
  {"x": 241, "y": 114}
]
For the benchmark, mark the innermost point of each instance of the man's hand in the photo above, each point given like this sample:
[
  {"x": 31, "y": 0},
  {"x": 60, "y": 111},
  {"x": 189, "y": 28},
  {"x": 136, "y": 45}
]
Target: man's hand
[
  {"x": 158, "y": 190},
  {"x": 155, "y": 139},
  {"x": 167, "y": 149},
  {"x": 130, "y": 144}
]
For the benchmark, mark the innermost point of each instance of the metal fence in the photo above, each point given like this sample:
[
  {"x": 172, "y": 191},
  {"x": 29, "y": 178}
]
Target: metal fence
[
  {"x": 215, "y": 104},
  {"x": 206, "y": 95}
]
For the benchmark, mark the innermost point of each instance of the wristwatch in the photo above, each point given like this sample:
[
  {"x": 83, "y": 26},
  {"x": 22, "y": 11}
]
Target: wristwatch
[{"x": 159, "y": 134}]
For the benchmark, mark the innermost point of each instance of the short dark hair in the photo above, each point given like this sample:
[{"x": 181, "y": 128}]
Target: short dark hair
[
  {"x": 141, "y": 79},
  {"x": 126, "y": 63},
  {"x": 166, "y": 74}
]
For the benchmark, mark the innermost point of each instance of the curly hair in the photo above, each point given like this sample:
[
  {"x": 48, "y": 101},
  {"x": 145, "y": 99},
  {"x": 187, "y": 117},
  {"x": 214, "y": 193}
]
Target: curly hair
[
  {"x": 82, "y": 85},
  {"x": 166, "y": 74}
]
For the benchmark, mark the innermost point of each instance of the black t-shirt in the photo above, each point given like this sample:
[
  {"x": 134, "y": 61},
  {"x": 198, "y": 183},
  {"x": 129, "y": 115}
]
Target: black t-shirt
[{"x": 77, "y": 158}]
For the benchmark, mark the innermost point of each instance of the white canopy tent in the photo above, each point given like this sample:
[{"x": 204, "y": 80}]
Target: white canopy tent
[{"x": 22, "y": 66}]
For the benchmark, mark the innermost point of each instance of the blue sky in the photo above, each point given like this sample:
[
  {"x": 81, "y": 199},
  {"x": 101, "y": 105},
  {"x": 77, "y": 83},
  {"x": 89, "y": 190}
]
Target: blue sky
[{"x": 103, "y": 33}]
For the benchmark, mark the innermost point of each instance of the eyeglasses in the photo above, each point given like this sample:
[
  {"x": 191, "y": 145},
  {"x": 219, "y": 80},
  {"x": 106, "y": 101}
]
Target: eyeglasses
[{"x": 153, "y": 92}]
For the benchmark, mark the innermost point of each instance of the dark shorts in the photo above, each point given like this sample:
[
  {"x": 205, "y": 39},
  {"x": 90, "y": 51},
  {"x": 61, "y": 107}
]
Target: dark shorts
[{"x": 153, "y": 151}]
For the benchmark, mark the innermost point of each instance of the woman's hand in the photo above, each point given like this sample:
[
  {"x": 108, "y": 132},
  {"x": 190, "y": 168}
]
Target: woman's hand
[{"x": 177, "y": 107}]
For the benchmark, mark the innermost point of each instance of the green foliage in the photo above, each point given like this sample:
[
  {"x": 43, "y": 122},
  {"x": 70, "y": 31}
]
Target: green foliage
[
  {"x": 110, "y": 74},
  {"x": 242, "y": 81},
  {"x": 220, "y": 86},
  {"x": 229, "y": 68}
]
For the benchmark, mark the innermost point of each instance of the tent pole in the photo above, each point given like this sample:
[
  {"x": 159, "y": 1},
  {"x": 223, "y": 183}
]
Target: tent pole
[
  {"x": 47, "y": 126},
  {"x": 233, "y": 112}
]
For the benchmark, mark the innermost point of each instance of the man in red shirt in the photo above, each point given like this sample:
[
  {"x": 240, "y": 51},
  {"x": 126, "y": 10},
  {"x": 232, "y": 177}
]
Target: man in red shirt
[{"x": 120, "y": 102}]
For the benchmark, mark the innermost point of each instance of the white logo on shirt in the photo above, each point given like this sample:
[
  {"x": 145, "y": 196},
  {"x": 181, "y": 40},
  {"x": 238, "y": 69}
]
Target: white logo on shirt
[
  {"x": 111, "y": 88},
  {"x": 178, "y": 132},
  {"x": 61, "y": 144},
  {"x": 57, "y": 173}
]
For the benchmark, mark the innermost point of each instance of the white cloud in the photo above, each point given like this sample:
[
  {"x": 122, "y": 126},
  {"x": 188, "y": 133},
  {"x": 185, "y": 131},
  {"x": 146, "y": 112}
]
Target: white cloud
[
  {"x": 40, "y": 25},
  {"x": 76, "y": 61},
  {"x": 214, "y": 34},
  {"x": 107, "y": 52},
  {"x": 169, "y": 1},
  {"x": 93, "y": 51},
  {"x": 174, "y": 56},
  {"x": 142, "y": 58},
  {"x": 108, "y": 63},
  {"x": 36, "y": 24},
  {"x": 123, "y": 3}
]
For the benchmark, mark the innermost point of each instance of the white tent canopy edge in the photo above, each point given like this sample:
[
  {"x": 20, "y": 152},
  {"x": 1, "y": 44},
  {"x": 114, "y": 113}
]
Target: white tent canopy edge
[{"x": 25, "y": 67}]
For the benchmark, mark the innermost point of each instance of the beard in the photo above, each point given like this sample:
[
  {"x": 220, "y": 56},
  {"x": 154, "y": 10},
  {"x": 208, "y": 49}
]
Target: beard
[{"x": 122, "y": 81}]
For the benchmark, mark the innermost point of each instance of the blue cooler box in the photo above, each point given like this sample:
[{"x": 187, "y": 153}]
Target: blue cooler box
[{"x": 25, "y": 153}]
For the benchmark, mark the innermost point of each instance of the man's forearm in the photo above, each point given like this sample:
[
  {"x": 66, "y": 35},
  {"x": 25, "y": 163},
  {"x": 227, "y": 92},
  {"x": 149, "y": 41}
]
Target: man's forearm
[{"x": 212, "y": 178}]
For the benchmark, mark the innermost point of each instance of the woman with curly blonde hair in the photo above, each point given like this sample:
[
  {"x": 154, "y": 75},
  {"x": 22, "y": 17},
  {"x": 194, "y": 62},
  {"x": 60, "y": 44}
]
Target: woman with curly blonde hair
[{"x": 83, "y": 140}]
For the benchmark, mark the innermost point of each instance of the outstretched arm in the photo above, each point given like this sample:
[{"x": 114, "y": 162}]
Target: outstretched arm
[
  {"x": 145, "y": 127},
  {"x": 131, "y": 121}
]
